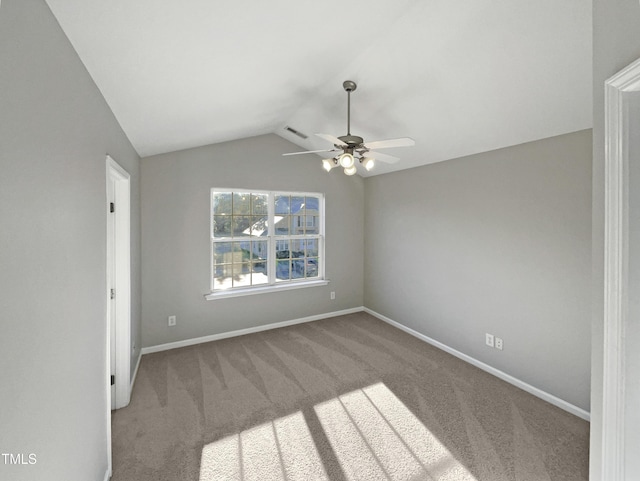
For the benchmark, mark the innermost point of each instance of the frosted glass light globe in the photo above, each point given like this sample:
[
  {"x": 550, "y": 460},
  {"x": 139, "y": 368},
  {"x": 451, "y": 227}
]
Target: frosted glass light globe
[
  {"x": 346, "y": 160},
  {"x": 328, "y": 164}
]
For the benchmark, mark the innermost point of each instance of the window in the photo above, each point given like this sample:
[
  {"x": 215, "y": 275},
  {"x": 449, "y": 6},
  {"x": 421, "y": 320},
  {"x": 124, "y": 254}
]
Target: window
[{"x": 262, "y": 241}]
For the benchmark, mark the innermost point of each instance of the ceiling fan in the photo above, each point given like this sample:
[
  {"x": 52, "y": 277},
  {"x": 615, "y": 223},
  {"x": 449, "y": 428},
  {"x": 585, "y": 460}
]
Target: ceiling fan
[{"x": 349, "y": 148}]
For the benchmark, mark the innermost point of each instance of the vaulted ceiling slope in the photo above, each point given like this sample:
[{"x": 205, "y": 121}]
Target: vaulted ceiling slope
[{"x": 460, "y": 77}]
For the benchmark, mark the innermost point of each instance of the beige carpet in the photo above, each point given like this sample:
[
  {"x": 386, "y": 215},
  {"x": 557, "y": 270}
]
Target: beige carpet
[{"x": 346, "y": 398}]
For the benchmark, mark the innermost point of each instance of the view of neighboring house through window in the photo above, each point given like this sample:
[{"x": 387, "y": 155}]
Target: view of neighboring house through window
[{"x": 263, "y": 239}]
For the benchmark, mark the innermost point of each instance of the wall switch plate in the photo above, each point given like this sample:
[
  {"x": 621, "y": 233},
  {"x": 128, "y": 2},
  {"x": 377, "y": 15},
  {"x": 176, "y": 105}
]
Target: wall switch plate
[
  {"x": 489, "y": 340},
  {"x": 333, "y": 295},
  {"x": 499, "y": 343},
  {"x": 172, "y": 320}
]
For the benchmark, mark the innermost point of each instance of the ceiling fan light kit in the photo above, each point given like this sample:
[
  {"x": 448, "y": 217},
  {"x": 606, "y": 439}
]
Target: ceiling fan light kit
[{"x": 349, "y": 147}]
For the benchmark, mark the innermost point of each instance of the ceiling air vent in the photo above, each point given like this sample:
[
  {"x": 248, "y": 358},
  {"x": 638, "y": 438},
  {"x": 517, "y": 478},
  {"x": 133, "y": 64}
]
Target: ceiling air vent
[{"x": 294, "y": 131}]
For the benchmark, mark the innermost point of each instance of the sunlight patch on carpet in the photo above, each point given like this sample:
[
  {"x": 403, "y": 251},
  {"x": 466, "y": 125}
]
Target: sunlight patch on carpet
[
  {"x": 375, "y": 436},
  {"x": 372, "y": 433},
  {"x": 281, "y": 450}
]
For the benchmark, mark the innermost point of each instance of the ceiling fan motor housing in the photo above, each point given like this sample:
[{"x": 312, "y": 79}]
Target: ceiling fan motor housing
[{"x": 352, "y": 141}]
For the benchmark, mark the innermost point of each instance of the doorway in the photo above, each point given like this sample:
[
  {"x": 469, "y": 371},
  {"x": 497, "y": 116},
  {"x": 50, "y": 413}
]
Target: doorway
[
  {"x": 118, "y": 292},
  {"x": 119, "y": 280}
]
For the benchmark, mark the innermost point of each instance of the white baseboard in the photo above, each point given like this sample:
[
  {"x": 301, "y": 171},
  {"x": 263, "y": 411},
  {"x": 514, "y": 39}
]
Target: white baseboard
[
  {"x": 550, "y": 398},
  {"x": 107, "y": 475},
  {"x": 242, "y": 332}
]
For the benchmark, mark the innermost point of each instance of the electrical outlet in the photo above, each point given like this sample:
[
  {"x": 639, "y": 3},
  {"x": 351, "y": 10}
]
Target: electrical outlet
[
  {"x": 172, "y": 320},
  {"x": 333, "y": 295},
  {"x": 499, "y": 343},
  {"x": 489, "y": 340}
]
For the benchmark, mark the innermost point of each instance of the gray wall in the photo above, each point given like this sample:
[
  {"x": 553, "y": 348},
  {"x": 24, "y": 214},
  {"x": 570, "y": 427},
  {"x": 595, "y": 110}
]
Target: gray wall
[
  {"x": 616, "y": 43},
  {"x": 497, "y": 243},
  {"x": 175, "y": 237},
  {"x": 55, "y": 131}
]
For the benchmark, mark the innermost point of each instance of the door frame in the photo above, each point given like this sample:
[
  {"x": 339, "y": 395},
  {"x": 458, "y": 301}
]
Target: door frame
[
  {"x": 120, "y": 280},
  {"x": 616, "y": 263}
]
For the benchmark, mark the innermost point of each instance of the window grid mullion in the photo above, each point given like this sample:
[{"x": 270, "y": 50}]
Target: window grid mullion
[
  {"x": 271, "y": 263},
  {"x": 212, "y": 272}
]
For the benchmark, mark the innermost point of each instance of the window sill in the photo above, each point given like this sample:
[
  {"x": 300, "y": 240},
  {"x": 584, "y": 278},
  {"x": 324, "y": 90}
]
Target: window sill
[{"x": 212, "y": 296}]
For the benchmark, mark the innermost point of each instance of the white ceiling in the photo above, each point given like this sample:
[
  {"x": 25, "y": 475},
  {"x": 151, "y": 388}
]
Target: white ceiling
[{"x": 459, "y": 76}]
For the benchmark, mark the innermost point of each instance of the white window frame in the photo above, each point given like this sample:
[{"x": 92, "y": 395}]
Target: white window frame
[{"x": 272, "y": 239}]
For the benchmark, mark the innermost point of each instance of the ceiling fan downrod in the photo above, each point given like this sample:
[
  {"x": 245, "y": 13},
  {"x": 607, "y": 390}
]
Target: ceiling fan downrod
[
  {"x": 352, "y": 141},
  {"x": 349, "y": 86}
]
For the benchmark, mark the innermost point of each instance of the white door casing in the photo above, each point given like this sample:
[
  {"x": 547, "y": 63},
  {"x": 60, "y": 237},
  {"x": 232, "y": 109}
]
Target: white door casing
[{"x": 622, "y": 92}]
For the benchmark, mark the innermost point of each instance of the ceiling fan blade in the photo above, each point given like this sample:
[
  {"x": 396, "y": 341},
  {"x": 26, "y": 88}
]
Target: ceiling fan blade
[
  {"x": 389, "y": 159},
  {"x": 334, "y": 140},
  {"x": 311, "y": 152},
  {"x": 386, "y": 144}
]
